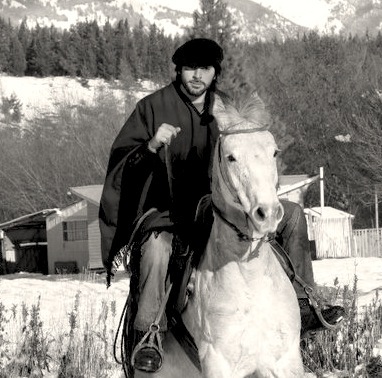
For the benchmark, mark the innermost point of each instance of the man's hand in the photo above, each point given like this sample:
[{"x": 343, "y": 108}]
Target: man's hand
[{"x": 164, "y": 135}]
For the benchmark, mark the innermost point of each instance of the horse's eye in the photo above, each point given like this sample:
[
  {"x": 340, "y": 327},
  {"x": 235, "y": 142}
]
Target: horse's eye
[
  {"x": 277, "y": 151},
  {"x": 231, "y": 158}
]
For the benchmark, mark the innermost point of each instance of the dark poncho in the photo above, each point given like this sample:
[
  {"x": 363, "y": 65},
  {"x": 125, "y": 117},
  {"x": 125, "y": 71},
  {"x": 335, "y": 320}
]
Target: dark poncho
[{"x": 137, "y": 179}]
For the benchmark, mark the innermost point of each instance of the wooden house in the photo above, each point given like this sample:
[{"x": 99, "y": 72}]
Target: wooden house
[
  {"x": 67, "y": 237},
  {"x": 91, "y": 194}
]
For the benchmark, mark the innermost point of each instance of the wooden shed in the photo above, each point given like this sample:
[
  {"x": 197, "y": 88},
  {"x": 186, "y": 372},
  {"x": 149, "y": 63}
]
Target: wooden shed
[
  {"x": 91, "y": 194},
  {"x": 24, "y": 243},
  {"x": 332, "y": 230}
]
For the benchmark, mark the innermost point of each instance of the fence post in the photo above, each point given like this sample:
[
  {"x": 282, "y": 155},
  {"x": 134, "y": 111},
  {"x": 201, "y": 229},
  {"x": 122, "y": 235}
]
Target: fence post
[{"x": 377, "y": 220}]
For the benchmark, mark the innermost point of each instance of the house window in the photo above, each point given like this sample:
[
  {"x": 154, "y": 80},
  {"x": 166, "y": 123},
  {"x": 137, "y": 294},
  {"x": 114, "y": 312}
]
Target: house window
[{"x": 75, "y": 230}]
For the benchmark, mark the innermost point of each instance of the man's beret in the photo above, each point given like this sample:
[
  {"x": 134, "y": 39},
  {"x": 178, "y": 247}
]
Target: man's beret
[{"x": 198, "y": 52}]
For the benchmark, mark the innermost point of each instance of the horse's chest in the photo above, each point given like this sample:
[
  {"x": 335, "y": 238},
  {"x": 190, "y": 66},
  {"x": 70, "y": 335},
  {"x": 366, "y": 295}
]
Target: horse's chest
[{"x": 230, "y": 298}]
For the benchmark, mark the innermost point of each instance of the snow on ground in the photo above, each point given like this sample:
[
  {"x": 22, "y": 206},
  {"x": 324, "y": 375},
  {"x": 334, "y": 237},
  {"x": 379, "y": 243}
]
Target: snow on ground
[
  {"x": 367, "y": 269},
  {"x": 43, "y": 95},
  {"x": 57, "y": 295},
  {"x": 58, "y": 292}
]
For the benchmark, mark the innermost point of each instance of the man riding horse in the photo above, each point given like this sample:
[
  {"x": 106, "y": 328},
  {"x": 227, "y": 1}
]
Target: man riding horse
[{"x": 143, "y": 175}]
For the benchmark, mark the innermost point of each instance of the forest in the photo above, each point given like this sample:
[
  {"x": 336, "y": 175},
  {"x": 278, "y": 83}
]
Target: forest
[{"x": 324, "y": 93}]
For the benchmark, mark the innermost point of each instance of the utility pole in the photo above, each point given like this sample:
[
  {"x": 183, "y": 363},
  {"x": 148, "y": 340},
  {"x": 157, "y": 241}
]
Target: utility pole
[
  {"x": 322, "y": 201},
  {"x": 377, "y": 218}
]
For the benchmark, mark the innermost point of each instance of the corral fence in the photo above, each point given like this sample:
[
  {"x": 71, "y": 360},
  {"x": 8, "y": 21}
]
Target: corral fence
[{"x": 368, "y": 242}]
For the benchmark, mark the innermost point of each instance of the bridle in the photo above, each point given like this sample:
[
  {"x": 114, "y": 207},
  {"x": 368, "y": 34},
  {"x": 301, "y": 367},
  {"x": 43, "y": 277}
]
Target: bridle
[{"x": 227, "y": 180}]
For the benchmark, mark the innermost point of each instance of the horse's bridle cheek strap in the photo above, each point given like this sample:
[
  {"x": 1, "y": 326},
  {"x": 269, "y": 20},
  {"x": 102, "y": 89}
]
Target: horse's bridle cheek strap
[{"x": 226, "y": 178}]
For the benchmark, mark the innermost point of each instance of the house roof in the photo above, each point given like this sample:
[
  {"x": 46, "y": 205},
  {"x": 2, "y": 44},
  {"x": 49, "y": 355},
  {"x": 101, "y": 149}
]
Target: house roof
[
  {"x": 288, "y": 183},
  {"x": 28, "y": 220},
  {"x": 91, "y": 193},
  {"x": 28, "y": 228},
  {"x": 328, "y": 212}
]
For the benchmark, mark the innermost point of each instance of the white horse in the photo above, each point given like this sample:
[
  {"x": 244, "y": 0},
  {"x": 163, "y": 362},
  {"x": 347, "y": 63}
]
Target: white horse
[{"x": 243, "y": 314}]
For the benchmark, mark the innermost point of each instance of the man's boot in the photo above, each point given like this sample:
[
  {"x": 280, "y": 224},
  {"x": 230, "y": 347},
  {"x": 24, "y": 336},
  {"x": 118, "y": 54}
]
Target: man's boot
[{"x": 310, "y": 322}]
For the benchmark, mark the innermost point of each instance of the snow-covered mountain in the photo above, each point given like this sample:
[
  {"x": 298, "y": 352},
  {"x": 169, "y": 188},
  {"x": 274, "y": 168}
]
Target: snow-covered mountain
[{"x": 262, "y": 19}]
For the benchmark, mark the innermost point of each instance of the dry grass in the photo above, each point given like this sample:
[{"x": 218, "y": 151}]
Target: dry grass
[
  {"x": 83, "y": 348},
  {"x": 348, "y": 351}
]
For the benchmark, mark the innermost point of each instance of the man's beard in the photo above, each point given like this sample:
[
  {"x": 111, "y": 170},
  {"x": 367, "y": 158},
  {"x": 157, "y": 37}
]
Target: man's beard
[{"x": 195, "y": 88}]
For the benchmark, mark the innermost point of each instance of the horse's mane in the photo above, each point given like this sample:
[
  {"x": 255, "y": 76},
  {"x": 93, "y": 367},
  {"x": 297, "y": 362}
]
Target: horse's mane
[{"x": 246, "y": 113}]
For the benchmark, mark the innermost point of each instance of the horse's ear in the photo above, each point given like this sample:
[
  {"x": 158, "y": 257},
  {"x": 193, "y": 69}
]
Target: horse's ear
[
  {"x": 224, "y": 113},
  {"x": 254, "y": 110},
  {"x": 257, "y": 101}
]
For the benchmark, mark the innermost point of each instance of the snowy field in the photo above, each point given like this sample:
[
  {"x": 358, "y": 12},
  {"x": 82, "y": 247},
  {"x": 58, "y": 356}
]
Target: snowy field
[
  {"x": 57, "y": 293},
  {"x": 40, "y": 96}
]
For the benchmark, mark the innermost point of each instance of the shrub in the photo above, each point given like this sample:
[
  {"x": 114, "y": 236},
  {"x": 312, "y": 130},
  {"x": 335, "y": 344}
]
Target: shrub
[{"x": 11, "y": 109}]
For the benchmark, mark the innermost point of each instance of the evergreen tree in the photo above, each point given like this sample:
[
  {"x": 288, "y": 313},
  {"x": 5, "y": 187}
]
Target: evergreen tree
[
  {"x": 67, "y": 54},
  {"x": 85, "y": 39},
  {"x": 17, "y": 62},
  {"x": 5, "y": 33},
  {"x": 122, "y": 35},
  {"x": 24, "y": 34},
  {"x": 153, "y": 59},
  {"x": 138, "y": 52},
  {"x": 39, "y": 53},
  {"x": 214, "y": 21},
  {"x": 106, "y": 57}
]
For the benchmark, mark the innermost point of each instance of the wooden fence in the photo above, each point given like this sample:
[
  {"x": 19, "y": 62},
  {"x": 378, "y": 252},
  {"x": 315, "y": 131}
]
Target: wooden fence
[{"x": 368, "y": 242}]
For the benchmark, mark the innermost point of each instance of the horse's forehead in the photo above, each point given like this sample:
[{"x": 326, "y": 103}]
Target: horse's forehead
[{"x": 251, "y": 140}]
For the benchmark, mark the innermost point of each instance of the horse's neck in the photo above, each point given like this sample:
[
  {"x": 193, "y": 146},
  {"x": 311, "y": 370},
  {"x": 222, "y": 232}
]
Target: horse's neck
[
  {"x": 228, "y": 266},
  {"x": 225, "y": 247}
]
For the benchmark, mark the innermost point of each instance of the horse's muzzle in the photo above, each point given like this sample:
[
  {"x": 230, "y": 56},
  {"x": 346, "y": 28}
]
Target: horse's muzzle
[{"x": 266, "y": 217}]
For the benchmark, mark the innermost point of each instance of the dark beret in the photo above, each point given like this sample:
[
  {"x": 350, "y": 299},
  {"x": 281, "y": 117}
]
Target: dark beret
[{"x": 198, "y": 52}]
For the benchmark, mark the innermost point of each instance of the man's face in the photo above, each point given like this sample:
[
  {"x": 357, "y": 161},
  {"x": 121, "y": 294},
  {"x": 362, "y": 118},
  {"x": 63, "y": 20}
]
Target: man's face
[{"x": 196, "y": 80}]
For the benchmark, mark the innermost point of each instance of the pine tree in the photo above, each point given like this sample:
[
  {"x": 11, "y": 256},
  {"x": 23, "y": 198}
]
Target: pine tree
[
  {"x": 214, "y": 21},
  {"x": 153, "y": 54},
  {"x": 17, "y": 62},
  {"x": 24, "y": 34},
  {"x": 67, "y": 54},
  {"x": 106, "y": 57},
  {"x": 138, "y": 52},
  {"x": 5, "y": 33},
  {"x": 85, "y": 37}
]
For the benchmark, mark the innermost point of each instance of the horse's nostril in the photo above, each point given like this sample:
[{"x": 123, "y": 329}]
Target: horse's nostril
[{"x": 260, "y": 213}]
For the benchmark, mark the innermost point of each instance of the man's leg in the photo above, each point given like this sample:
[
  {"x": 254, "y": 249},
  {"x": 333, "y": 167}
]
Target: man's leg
[
  {"x": 292, "y": 235},
  {"x": 155, "y": 257}
]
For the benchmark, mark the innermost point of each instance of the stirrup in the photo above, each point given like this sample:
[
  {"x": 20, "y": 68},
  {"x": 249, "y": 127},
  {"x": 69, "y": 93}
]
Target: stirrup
[
  {"x": 151, "y": 340},
  {"x": 318, "y": 307}
]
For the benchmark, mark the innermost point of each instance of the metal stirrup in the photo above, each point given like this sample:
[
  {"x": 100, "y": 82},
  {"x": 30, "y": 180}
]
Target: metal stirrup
[{"x": 152, "y": 335}]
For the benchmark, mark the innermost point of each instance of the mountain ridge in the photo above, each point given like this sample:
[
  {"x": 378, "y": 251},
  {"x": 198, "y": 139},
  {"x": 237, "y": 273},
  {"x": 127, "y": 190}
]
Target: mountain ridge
[{"x": 254, "y": 19}]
